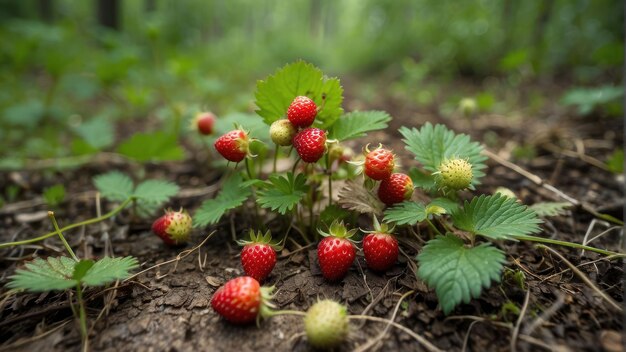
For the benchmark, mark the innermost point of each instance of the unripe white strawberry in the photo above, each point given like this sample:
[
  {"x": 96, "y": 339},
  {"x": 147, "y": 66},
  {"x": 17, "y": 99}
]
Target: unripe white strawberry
[
  {"x": 174, "y": 227},
  {"x": 326, "y": 324},
  {"x": 282, "y": 132},
  {"x": 455, "y": 174},
  {"x": 467, "y": 107}
]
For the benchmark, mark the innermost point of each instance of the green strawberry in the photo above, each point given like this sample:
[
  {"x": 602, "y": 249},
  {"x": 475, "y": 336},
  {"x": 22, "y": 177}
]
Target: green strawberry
[
  {"x": 454, "y": 174},
  {"x": 326, "y": 324}
]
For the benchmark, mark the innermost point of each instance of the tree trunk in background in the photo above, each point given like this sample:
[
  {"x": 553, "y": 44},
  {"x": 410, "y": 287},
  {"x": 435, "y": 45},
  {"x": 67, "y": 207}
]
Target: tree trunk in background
[
  {"x": 108, "y": 13},
  {"x": 46, "y": 10}
]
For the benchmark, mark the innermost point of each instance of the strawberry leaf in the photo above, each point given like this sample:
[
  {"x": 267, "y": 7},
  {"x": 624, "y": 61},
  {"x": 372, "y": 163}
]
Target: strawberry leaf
[
  {"x": 496, "y": 217},
  {"x": 458, "y": 273},
  {"x": 151, "y": 195},
  {"x": 406, "y": 213},
  {"x": 232, "y": 196},
  {"x": 432, "y": 145},
  {"x": 275, "y": 93},
  {"x": 107, "y": 270},
  {"x": 63, "y": 273},
  {"x": 356, "y": 124},
  {"x": 157, "y": 146},
  {"x": 545, "y": 209},
  {"x": 282, "y": 193},
  {"x": 114, "y": 186}
]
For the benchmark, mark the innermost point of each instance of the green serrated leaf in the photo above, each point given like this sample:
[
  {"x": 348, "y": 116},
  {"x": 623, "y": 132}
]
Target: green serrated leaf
[
  {"x": 355, "y": 197},
  {"x": 496, "y": 217},
  {"x": 157, "y": 146},
  {"x": 432, "y": 145},
  {"x": 155, "y": 191},
  {"x": 54, "y": 195},
  {"x": 44, "y": 275},
  {"x": 458, "y": 273},
  {"x": 81, "y": 268},
  {"x": 232, "y": 196},
  {"x": 550, "y": 208},
  {"x": 283, "y": 193},
  {"x": 276, "y": 92},
  {"x": 114, "y": 186},
  {"x": 448, "y": 205},
  {"x": 107, "y": 270},
  {"x": 406, "y": 213},
  {"x": 356, "y": 124},
  {"x": 422, "y": 180}
]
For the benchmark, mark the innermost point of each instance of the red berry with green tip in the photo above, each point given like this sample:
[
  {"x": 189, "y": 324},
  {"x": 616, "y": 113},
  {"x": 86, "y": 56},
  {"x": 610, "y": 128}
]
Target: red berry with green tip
[
  {"x": 395, "y": 189},
  {"x": 379, "y": 164},
  {"x": 258, "y": 256},
  {"x": 204, "y": 122},
  {"x": 233, "y": 146},
  {"x": 173, "y": 228},
  {"x": 240, "y": 300},
  {"x": 302, "y": 112},
  {"x": 310, "y": 144},
  {"x": 335, "y": 253}
]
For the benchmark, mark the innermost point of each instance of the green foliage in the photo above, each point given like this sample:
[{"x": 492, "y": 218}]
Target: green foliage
[
  {"x": 550, "y": 208},
  {"x": 276, "y": 92},
  {"x": 356, "y": 124},
  {"x": 282, "y": 193},
  {"x": 149, "y": 195},
  {"x": 615, "y": 163},
  {"x": 156, "y": 146},
  {"x": 232, "y": 195},
  {"x": 432, "y": 145},
  {"x": 458, "y": 273},
  {"x": 332, "y": 213},
  {"x": 588, "y": 99},
  {"x": 406, "y": 213},
  {"x": 63, "y": 273},
  {"x": 496, "y": 217},
  {"x": 422, "y": 180},
  {"x": 357, "y": 198},
  {"x": 97, "y": 133},
  {"x": 54, "y": 195},
  {"x": 114, "y": 186}
]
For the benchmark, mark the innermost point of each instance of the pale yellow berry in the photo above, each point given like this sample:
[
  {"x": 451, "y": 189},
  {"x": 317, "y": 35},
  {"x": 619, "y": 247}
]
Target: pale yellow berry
[{"x": 455, "y": 174}]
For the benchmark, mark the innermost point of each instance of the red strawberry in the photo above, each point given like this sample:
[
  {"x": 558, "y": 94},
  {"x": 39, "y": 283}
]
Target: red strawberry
[
  {"x": 233, "y": 146},
  {"x": 380, "y": 248},
  {"x": 310, "y": 144},
  {"x": 204, "y": 122},
  {"x": 302, "y": 112},
  {"x": 335, "y": 252},
  {"x": 241, "y": 300},
  {"x": 173, "y": 227},
  {"x": 379, "y": 164},
  {"x": 258, "y": 256},
  {"x": 395, "y": 189}
]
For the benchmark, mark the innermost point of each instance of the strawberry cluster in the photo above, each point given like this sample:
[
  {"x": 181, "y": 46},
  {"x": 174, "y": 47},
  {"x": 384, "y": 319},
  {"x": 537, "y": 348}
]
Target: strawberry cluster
[{"x": 394, "y": 187}]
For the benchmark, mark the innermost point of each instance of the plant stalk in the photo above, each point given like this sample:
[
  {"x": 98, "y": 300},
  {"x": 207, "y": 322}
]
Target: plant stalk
[
  {"x": 566, "y": 244},
  {"x": 82, "y": 317},
  {"x": 69, "y": 227},
  {"x": 58, "y": 231}
]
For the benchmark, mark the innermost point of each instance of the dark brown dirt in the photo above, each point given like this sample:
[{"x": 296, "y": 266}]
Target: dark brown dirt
[{"x": 154, "y": 312}]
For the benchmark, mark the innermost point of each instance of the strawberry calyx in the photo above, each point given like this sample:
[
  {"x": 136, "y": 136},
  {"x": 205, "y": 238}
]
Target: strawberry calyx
[
  {"x": 261, "y": 238},
  {"x": 266, "y": 309},
  {"x": 382, "y": 229},
  {"x": 339, "y": 230}
]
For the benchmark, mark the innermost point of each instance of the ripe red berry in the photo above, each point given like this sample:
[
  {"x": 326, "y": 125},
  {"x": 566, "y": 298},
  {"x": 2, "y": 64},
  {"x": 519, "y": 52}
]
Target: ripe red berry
[
  {"x": 335, "y": 252},
  {"x": 395, "y": 189},
  {"x": 381, "y": 251},
  {"x": 310, "y": 144},
  {"x": 302, "y": 112},
  {"x": 239, "y": 300},
  {"x": 379, "y": 164},
  {"x": 204, "y": 122},
  {"x": 258, "y": 256},
  {"x": 173, "y": 227},
  {"x": 233, "y": 146}
]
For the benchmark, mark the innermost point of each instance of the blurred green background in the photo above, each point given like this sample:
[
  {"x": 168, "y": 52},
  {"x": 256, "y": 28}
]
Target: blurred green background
[{"x": 73, "y": 72}]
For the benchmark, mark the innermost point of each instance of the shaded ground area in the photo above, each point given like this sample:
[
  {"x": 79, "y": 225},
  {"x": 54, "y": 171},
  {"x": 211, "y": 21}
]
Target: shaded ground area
[{"x": 167, "y": 308}]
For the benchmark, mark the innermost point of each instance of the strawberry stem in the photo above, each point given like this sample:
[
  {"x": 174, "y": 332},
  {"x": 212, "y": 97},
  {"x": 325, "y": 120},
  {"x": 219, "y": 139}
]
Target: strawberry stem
[
  {"x": 275, "y": 158},
  {"x": 58, "y": 231},
  {"x": 330, "y": 180},
  {"x": 72, "y": 226},
  {"x": 566, "y": 244}
]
